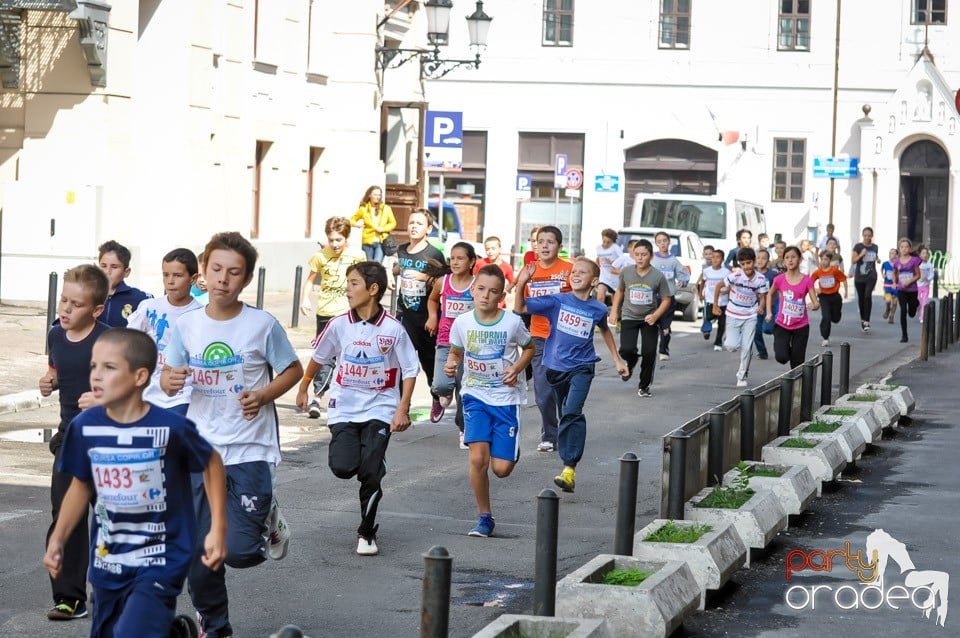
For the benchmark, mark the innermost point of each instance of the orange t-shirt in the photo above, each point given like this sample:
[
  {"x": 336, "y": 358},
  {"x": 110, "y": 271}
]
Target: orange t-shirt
[
  {"x": 547, "y": 281},
  {"x": 830, "y": 279}
]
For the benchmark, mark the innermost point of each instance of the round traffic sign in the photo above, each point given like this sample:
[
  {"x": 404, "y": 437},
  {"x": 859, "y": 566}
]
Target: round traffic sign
[
  {"x": 956, "y": 101},
  {"x": 574, "y": 178}
]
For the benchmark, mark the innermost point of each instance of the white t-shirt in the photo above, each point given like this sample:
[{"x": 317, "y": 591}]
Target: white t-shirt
[
  {"x": 487, "y": 350},
  {"x": 607, "y": 257},
  {"x": 373, "y": 358},
  {"x": 926, "y": 274},
  {"x": 157, "y": 317},
  {"x": 228, "y": 357},
  {"x": 711, "y": 277}
]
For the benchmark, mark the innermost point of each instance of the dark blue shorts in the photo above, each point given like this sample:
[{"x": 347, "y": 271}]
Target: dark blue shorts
[
  {"x": 498, "y": 425},
  {"x": 144, "y": 608}
]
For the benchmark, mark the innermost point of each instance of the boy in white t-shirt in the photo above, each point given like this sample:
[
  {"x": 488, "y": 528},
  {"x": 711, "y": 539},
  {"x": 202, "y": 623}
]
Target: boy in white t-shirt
[
  {"x": 711, "y": 278},
  {"x": 607, "y": 254},
  {"x": 157, "y": 317},
  {"x": 231, "y": 352},
  {"x": 488, "y": 341},
  {"x": 746, "y": 288}
]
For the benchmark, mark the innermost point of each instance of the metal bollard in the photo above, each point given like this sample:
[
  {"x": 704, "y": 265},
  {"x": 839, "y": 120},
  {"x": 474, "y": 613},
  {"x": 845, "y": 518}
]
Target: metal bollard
[
  {"x": 936, "y": 284},
  {"x": 435, "y": 600},
  {"x": 808, "y": 375},
  {"x": 826, "y": 378},
  {"x": 261, "y": 284},
  {"x": 297, "y": 284},
  {"x": 948, "y": 321},
  {"x": 51, "y": 308},
  {"x": 747, "y": 424},
  {"x": 942, "y": 325},
  {"x": 626, "y": 505},
  {"x": 676, "y": 492},
  {"x": 924, "y": 341},
  {"x": 930, "y": 317},
  {"x": 715, "y": 447},
  {"x": 844, "y": 382},
  {"x": 545, "y": 568},
  {"x": 786, "y": 405}
]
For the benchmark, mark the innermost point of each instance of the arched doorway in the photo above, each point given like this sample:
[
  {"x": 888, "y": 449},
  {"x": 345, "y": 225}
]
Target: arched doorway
[
  {"x": 924, "y": 183},
  {"x": 668, "y": 166}
]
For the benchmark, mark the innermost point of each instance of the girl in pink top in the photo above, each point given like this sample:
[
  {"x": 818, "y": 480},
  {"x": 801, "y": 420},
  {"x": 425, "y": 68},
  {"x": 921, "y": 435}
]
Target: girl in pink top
[
  {"x": 792, "y": 328},
  {"x": 906, "y": 272}
]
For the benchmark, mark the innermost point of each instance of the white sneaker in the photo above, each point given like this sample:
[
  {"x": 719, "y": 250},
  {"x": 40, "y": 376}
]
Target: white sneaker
[
  {"x": 741, "y": 383},
  {"x": 545, "y": 446},
  {"x": 717, "y": 348},
  {"x": 664, "y": 357},
  {"x": 463, "y": 446},
  {"x": 825, "y": 343},
  {"x": 445, "y": 401},
  {"x": 313, "y": 411},
  {"x": 279, "y": 532},
  {"x": 367, "y": 547}
]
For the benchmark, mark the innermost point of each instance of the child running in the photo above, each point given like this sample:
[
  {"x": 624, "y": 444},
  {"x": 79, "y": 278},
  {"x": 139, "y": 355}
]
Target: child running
[
  {"x": 792, "y": 330},
  {"x": 711, "y": 277},
  {"x": 927, "y": 274},
  {"x": 571, "y": 359},
  {"x": 607, "y": 254},
  {"x": 828, "y": 278},
  {"x": 449, "y": 299},
  {"x": 486, "y": 343},
  {"x": 70, "y": 344},
  {"x": 328, "y": 270},
  {"x": 371, "y": 392},
  {"x": 134, "y": 459},
  {"x": 240, "y": 362},
  {"x": 889, "y": 287},
  {"x": 906, "y": 273},
  {"x": 123, "y": 299},
  {"x": 745, "y": 289},
  {"x": 638, "y": 290},
  {"x": 676, "y": 275},
  {"x": 764, "y": 268},
  {"x": 157, "y": 317},
  {"x": 492, "y": 248}
]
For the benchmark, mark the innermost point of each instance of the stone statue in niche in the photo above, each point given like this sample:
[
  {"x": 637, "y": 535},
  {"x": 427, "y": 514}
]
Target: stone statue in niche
[
  {"x": 892, "y": 126},
  {"x": 924, "y": 110},
  {"x": 877, "y": 145}
]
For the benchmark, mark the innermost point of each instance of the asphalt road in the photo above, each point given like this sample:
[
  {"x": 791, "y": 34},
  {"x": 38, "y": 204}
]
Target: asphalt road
[{"x": 328, "y": 590}]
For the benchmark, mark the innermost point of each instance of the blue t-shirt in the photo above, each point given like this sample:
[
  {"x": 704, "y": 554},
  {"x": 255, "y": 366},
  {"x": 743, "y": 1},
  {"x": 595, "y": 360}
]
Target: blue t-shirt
[
  {"x": 888, "y": 286},
  {"x": 71, "y": 359},
  {"x": 572, "y": 320},
  {"x": 121, "y": 304},
  {"x": 144, "y": 526}
]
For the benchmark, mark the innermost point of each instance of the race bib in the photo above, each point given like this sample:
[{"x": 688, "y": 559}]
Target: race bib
[
  {"x": 456, "y": 306},
  {"x": 361, "y": 372},
  {"x": 741, "y": 298},
  {"x": 544, "y": 288},
  {"x": 870, "y": 257},
  {"x": 905, "y": 278},
  {"x": 641, "y": 296},
  {"x": 214, "y": 380},
  {"x": 482, "y": 369},
  {"x": 413, "y": 287},
  {"x": 793, "y": 309},
  {"x": 828, "y": 282},
  {"x": 127, "y": 478},
  {"x": 574, "y": 324}
]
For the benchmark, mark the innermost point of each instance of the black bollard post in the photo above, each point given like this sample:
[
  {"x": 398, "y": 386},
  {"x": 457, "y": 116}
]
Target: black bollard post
[
  {"x": 545, "y": 569},
  {"x": 297, "y": 284},
  {"x": 924, "y": 341},
  {"x": 676, "y": 492},
  {"x": 261, "y": 284},
  {"x": 747, "y": 424},
  {"x": 51, "y": 307},
  {"x": 626, "y": 505},
  {"x": 826, "y": 378},
  {"x": 956, "y": 319},
  {"x": 936, "y": 284},
  {"x": 949, "y": 322},
  {"x": 715, "y": 447},
  {"x": 942, "y": 324},
  {"x": 435, "y": 600},
  {"x": 806, "y": 390},
  {"x": 930, "y": 320},
  {"x": 844, "y": 382},
  {"x": 786, "y": 405}
]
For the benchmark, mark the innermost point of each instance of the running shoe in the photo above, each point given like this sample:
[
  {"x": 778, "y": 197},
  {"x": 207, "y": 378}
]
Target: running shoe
[
  {"x": 313, "y": 411},
  {"x": 566, "y": 480},
  {"x": 866, "y": 327},
  {"x": 644, "y": 392},
  {"x": 463, "y": 446},
  {"x": 67, "y": 610},
  {"x": 484, "y": 526},
  {"x": 545, "y": 446},
  {"x": 825, "y": 343},
  {"x": 763, "y": 357},
  {"x": 367, "y": 546},
  {"x": 279, "y": 532},
  {"x": 664, "y": 356},
  {"x": 436, "y": 411},
  {"x": 717, "y": 348},
  {"x": 445, "y": 401},
  {"x": 706, "y": 336},
  {"x": 741, "y": 383}
]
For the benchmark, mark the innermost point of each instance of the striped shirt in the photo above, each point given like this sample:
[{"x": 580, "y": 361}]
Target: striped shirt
[{"x": 745, "y": 293}]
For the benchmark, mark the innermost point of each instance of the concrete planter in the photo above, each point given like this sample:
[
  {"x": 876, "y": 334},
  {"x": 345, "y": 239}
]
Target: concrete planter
[
  {"x": 825, "y": 461},
  {"x": 757, "y": 521},
  {"x": 865, "y": 419},
  {"x": 712, "y": 558},
  {"x": 655, "y": 607},
  {"x": 848, "y": 436},
  {"x": 795, "y": 488},
  {"x": 510, "y": 625},
  {"x": 901, "y": 394},
  {"x": 885, "y": 408}
]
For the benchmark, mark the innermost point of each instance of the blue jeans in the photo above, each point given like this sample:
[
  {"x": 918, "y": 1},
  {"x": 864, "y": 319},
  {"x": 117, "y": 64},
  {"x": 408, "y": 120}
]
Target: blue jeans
[
  {"x": 546, "y": 397},
  {"x": 571, "y": 387},
  {"x": 374, "y": 252},
  {"x": 444, "y": 386}
]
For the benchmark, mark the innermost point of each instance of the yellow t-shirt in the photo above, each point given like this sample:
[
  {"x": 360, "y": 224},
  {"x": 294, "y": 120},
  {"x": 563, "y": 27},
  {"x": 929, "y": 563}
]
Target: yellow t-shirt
[{"x": 331, "y": 276}]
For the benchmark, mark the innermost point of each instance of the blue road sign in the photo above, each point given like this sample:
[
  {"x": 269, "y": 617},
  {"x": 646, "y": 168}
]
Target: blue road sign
[
  {"x": 836, "y": 167},
  {"x": 443, "y": 141},
  {"x": 606, "y": 183},
  {"x": 524, "y": 182},
  {"x": 560, "y": 171}
]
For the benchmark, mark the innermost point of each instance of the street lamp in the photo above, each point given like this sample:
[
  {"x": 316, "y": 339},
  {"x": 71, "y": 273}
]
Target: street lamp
[{"x": 438, "y": 29}]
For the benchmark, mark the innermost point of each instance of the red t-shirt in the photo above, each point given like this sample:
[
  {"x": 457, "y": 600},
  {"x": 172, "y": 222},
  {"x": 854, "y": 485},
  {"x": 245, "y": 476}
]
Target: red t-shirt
[{"x": 504, "y": 266}]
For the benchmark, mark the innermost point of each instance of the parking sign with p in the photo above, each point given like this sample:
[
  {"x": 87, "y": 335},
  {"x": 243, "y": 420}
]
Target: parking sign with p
[{"x": 443, "y": 141}]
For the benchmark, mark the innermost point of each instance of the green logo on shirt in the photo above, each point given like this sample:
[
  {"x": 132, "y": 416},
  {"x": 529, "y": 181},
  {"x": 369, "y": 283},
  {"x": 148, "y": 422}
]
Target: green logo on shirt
[{"x": 217, "y": 351}]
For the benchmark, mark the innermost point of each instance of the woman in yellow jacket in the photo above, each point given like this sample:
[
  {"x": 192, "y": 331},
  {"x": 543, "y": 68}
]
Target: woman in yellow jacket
[{"x": 376, "y": 219}]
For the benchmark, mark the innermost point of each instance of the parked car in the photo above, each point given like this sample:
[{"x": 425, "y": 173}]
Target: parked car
[
  {"x": 452, "y": 231},
  {"x": 688, "y": 248}
]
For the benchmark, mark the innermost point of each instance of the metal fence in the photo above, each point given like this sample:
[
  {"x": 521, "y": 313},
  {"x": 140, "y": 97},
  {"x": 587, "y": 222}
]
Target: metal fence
[{"x": 941, "y": 325}]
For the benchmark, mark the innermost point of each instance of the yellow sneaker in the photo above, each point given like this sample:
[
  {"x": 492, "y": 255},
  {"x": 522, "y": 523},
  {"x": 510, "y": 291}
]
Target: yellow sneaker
[{"x": 566, "y": 481}]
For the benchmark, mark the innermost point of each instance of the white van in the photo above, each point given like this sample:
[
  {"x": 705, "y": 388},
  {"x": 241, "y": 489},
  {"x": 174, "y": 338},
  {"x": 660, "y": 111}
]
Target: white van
[{"x": 713, "y": 218}]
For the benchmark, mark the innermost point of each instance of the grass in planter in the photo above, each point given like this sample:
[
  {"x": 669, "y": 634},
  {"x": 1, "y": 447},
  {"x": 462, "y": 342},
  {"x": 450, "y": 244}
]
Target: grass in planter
[
  {"x": 626, "y": 577},
  {"x": 760, "y": 470},
  {"x": 728, "y": 498},
  {"x": 822, "y": 427},
  {"x": 863, "y": 397},
  {"x": 670, "y": 532},
  {"x": 841, "y": 412},
  {"x": 798, "y": 442}
]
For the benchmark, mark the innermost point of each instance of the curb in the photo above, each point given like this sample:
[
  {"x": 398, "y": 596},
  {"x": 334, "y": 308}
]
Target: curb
[{"x": 26, "y": 400}]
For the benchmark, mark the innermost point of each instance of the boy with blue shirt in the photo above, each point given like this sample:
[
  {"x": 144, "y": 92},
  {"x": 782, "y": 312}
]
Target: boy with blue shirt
[
  {"x": 70, "y": 344},
  {"x": 122, "y": 300},
  {"x": 494, "y": 347},
  {"x": 570, "y": 357},
  {"x": 135, "y": 459},
  {"x": 239, "y": 361}
]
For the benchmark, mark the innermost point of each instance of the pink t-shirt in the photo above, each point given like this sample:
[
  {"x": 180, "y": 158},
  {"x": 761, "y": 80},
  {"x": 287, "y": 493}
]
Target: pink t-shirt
[
  {"x": 453, "y": 303},
  {"x": 792, "y": 314}
]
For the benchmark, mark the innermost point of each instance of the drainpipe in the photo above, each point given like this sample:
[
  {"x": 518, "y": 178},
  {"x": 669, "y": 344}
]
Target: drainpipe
[{"x": 836, "y": 80}]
